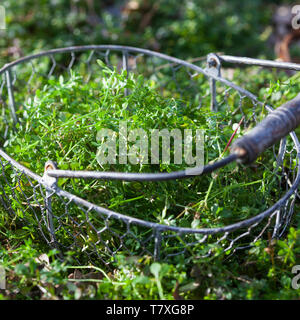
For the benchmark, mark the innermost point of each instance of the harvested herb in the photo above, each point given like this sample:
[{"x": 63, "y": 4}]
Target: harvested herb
[{"x": 61, "y": 122}]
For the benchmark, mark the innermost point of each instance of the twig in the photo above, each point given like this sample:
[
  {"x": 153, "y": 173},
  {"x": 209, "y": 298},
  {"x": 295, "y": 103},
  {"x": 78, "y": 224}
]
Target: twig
[{"x": 233, "y": 135}]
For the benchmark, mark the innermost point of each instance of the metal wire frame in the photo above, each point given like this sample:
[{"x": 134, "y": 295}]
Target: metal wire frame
[
  {"x": 45, "y": 189},
  {"x": 260, "y": 62}
]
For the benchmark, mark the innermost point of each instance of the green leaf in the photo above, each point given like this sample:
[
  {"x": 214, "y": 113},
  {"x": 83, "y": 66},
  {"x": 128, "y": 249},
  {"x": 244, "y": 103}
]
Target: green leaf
[{"x": 155, "y": 269}]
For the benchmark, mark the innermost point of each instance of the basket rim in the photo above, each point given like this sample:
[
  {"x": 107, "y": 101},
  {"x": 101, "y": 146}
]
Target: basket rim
[{"x": 128, "y": 219}]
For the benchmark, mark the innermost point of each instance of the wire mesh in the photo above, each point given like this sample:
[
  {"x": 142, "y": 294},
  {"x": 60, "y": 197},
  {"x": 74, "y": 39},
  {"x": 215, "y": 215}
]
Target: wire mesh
[{"x": 67, "y": 221}]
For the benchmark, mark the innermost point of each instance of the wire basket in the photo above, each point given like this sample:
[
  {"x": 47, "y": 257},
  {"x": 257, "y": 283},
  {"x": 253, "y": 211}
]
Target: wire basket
[{"x": 69, "y": 222}]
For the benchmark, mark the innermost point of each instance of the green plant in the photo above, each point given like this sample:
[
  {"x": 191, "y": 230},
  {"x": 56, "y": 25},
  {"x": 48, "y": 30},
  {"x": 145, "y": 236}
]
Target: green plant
[{"x": 61, "y": 123}]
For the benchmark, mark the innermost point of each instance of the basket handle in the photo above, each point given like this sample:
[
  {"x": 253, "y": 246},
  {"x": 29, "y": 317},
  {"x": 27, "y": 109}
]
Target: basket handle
[{"x": 275, "y": 126}]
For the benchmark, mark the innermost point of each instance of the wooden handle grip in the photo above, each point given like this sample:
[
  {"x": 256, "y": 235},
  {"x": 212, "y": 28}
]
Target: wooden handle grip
[{"x": 270, "y": 130}]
